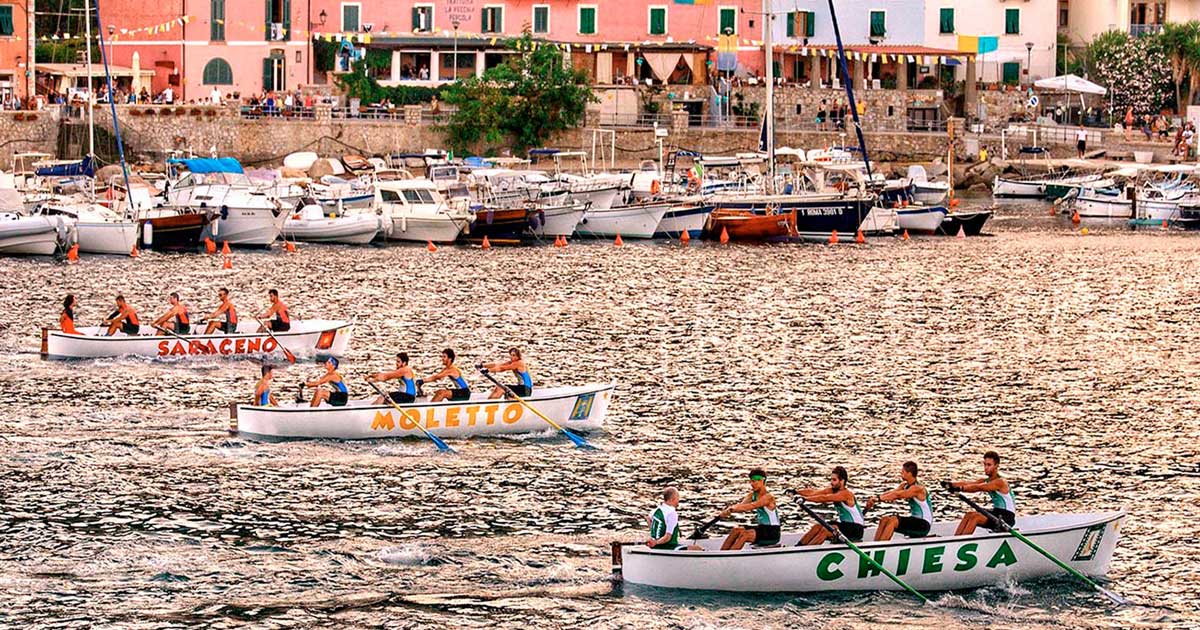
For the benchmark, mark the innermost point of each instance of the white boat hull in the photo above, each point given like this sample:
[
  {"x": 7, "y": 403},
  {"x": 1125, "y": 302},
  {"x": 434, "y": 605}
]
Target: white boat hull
[
  {"x": 106, "y": 238},
  {"x": 635, "y": 221},
  {"x": 354, "y": 229},
  {"x": 880, "y": 220},
  {"x": 438, "y": 229},
  {"x": 1103, "y": 207},
  {"x": 682, "y": 218},
  {"x": 600, "y": 198},
  {"x": 28, "y": 236},
  {"x": 1011, "y": 188},
  {"x": 558, "y": 221},
  {"x": 930, "y": 193},
  {"x": 306, "y": 338},
  {"x": 1158, "y": 210},
  {"x": 574, "y": 408},
  {"x": 921, "y": 220},
  {"x": 247, "y": 227},
  {"x": 938, "y": 563}
]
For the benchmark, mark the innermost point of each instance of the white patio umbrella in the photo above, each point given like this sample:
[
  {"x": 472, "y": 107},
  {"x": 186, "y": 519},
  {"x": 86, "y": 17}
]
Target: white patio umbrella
[{"x": 1071, "y": 84}]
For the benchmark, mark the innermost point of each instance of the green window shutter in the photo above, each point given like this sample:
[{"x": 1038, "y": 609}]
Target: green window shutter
[
  {"x": 947, "y": 21},
  {"x": 268, "y": 18},
  {"x": 658, "y": 21},
  {"x": 1012, "y": 72},
  {"x": 6, "y": 19},
  {"x": 268, "y": 74},
  {"x": 791, "y": 24},
  {"x": 287, "y": 19},
  {"x": 1012, "y": 21},
  {"x": 349, "y": 18},
  {"x": 216, "y": 27},
  {"x": 416, "y": 23},
  {"x": 878, "y": 25},
  {"x": 541, "y": 20},
  {"x": 810, "y": 23},
  {"x": 728, "y": 21},
  {"x": 217, "y": 72},
  {"x": 587, "y": 21}
]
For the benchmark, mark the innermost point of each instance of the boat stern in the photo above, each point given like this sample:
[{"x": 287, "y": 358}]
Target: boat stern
[{"x": 233, "y": 418}]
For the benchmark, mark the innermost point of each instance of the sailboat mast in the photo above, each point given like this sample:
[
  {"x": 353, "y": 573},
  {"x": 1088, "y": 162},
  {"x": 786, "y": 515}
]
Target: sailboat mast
[
  {"x": 87, "y": 20},
  {"x": 769, "y": 123},
  {"x": 112, "y": 104},
  {"x": 848, "y": 80}
]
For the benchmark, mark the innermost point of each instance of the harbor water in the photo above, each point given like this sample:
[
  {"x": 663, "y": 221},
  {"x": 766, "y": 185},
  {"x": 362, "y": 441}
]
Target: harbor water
[{"x": 124, "y": 502}]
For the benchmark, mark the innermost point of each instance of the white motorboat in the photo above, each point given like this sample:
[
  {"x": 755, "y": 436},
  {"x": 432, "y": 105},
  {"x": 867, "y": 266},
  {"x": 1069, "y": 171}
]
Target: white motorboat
[
  {"x": 97, "y": 228},
  {"x": 1155, "y": 205},
  {"x": 418, "y": 211},
  {"x": 244, "y": 215},
  {"x": 556, "y": 220},
  {"x": 313, "y": 337},
  {"x": 636, "y": 220},
  {"x": 311, "y": 224},
  {"x": 685, "y": 215},
  {"x": 921, "y": 219},
  {"x": 575, "y": 408},
  {"x": 925, "y": 191},
  {"x": 335, "y": 192},
  {"x": 938, "y": 562},
  {"x": 31, "y": 236},
  {"x": 880, "y": 220},
  {"x": 1096, "y": 204}
]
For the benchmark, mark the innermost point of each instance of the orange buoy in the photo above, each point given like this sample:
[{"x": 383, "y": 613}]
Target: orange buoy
[
  {"x": 618, "y": 242},
  {"x": 904, "y": 236},
  {"x": 1075, "y": 218},
  {"x": 558, "y": 241},
  {"x": 430, "y": 246},
  {"x": 486, "y": 243},
  {"x": 954, "y": 202},
  {"x": 564, "y": 240},
  {"x": 961, "y": 233},
  {"x": 833, "y": 239},
  {"x": 224, "y": 248},
  {"x": 685, "y": 238},
  {"x": 210, "y": 246},
  {"x": 133, "y": 253},
  {"x": 1164, "y": 225},
  {"x": 289, "y": 246},
  {"x": 724, "y": 235},
  {"x": 73, "y": 253},
  {"x": 859, "y": 238},
  {"x": 228, "y": 263},
  {"x": 1053, "y": 210}
]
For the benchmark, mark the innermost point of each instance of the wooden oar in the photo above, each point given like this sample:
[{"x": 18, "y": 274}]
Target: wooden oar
[
  {"x": 173, "y": 334},
  {"x": 442, "y": 446},
  {"x": 580, "y": 442},
  {"x": 1116, "y": 599},
  {"x": 696, "y": 535},
  {"x": 837, "y": 534},
  {"x": 287, "y": 354}
]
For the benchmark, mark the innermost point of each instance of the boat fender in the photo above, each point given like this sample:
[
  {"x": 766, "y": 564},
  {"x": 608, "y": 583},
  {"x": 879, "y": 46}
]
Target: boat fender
[
  {"x": 224, "y": 212},
  {"x": 147, "y": 234}
]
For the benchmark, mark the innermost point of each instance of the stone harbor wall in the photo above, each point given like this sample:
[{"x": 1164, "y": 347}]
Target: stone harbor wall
[
  {"x": 27, "y": 131},
  {"x": 884, "y": 110}
]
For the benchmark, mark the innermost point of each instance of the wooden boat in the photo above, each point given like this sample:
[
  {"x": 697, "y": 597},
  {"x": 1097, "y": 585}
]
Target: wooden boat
[
  {"x": 939, "y": 562},
  {"x": 970, "y": 222},
  {"x": 312, "y": 337},
  {"x": 174, "y": 230},
  {"x": 747, "y": 225},
  {"x": 502, "y": 224},
  {"x": 575, "y": 408}
]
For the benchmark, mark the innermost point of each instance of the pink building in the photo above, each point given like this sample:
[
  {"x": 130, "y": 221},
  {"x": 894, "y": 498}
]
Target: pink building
[{"x": 237, "y": 46}]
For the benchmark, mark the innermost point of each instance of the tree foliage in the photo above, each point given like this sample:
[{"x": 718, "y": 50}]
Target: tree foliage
[
  {"x": 1179, "y": 41},
  {"x": 1135, "y": 69},
  {"x": 359, "y": 84},
  {"x": 523, "y": 101}
]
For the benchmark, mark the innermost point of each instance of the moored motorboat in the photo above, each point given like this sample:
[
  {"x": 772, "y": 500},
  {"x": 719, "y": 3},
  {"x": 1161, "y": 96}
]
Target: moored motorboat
[
  {"x": 502, "y": 224},
  {"x": 310, "y": 224},
  {"x": 312, "y": 337},
  {"x": 746, "y": 225},
  {"x": 418, "y": 211},
  {"x": 575, "y": 408},
  {"x": 172, "y": 228},
  {"x": 635, "y": 220},
  {"x": 98, "y": 229},
  {"x": 31, "y": 236},
  {"x": 920, "y": 219},
  {"x": 1102, "y": 204},
  {"x": 938, "y": 562},
  {"x": 556, "y": 220},
  {"x": 969, "y": 222},
  {"x": 684, "y": 216}
]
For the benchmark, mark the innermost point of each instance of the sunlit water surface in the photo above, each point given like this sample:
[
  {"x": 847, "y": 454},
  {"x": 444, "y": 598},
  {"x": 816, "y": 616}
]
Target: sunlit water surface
[{"x": 123, "y": 501}]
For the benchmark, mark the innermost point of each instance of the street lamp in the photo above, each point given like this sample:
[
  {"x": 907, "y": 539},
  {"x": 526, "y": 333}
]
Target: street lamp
[
  {"x": 1028, "y": 59},
  {"x": 455, "y": 24}
]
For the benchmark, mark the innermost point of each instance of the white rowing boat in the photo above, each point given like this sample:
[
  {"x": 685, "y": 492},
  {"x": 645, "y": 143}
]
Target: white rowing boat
[
  {"x": 311, "y": 337},
  {"x": 939, "y": 562},
  {"x": 575, "y": 408}
]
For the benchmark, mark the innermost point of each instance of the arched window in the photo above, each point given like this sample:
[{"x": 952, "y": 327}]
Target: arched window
[{"x": 217, "y": 72}]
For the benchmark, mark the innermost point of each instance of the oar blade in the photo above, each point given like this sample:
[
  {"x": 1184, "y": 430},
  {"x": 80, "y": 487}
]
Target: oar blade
[
  {"x": 287, "y": 354},
  {"x": 442, "y": 446},
  {"x": 579, "y": 441},
  {"x": 1116, "y": 599}
]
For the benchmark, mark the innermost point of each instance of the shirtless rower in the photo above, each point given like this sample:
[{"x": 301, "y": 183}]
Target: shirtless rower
[
  {"x": 66, "y": 319},
  {"x": 278, "y": 310},
  {"x": 460, "y": 391},
  {"x": 182, "y": 324},
  {"x": 517, "y": 365},
  {"x": 920, "y": 513},
  {"x": 226, "y": 310},
  {"x": 337, "y": 395},
  {"x": 408, "y": 387},
  {"x": 262, "y": 391},
  {"x": 124, "y": 319},
  {"x": 997, "y": 488},
  {"x": 766, "y": 519},
  {"x": 850, "y": 518}
]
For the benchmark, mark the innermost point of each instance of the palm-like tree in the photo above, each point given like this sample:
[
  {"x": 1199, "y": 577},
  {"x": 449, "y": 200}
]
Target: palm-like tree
[{"x": 1179, "y": 41}]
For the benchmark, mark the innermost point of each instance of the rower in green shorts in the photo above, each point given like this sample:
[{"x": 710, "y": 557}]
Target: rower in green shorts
[
  {"x": 766, "y": 519},
  {"x": 920, "y": 518}
]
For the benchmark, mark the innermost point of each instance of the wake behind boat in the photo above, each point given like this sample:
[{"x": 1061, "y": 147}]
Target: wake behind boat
[
  {"x": 575, "y": 408},
  {"x": 313, "y": 337},
  {"x": 937, "y": 562}
]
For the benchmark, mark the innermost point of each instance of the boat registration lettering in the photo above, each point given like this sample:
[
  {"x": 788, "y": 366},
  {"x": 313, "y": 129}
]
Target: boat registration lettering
[
  {"x": 240, "y": 345},
  {"x": 966, "y": 558},
  {"x": 822, "y": 212}
]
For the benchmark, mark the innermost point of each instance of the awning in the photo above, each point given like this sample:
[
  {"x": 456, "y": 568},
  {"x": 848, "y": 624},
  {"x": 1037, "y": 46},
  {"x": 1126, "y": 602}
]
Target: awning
[
  {"x": 1070, "y": 83},
  {"x": 210, "y": 165}
]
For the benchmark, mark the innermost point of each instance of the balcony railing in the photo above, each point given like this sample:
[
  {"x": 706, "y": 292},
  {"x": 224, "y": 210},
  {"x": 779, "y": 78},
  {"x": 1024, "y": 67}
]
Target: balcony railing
[{"x": 1142, "y": 30}]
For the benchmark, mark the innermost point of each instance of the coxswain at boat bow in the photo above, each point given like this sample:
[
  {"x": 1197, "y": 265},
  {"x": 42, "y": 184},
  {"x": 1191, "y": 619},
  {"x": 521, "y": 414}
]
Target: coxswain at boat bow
[
  {"x": 997, "y": 488},
  {"x": 664, "y": 522},
  {"x": 766, "y": 519},
  {"x": 517, "y": 365},
  {"x": 124, "y": 319},
  {"x": 226, "y": 309},
  {"x": 920, "y": 513},
  {"x": 408, "y": 387},
  {"x": 262, "y": 391},
  {"x": 282, "y": 321},
  {"x": 66, "y": 319},
  {"x": 460, "y": 391},
  {"x": 850, "y": 518},
  {"x": 182, "y": 324},
  {"x": 338, "y": 394}
]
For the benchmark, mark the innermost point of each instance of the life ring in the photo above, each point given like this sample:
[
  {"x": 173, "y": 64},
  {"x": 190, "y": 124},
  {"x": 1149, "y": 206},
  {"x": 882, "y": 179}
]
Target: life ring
[{"x": 655, "y": 187}]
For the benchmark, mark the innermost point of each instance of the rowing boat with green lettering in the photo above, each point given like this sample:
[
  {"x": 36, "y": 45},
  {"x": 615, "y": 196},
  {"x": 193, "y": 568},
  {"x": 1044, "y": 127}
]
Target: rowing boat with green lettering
[{"x": 938, "y": 562}]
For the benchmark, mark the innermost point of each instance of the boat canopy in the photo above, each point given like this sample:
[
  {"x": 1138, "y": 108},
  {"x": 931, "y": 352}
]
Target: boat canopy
[
  {"x": 211, "y": 165},
  {"x": 86, "y": 166}
]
